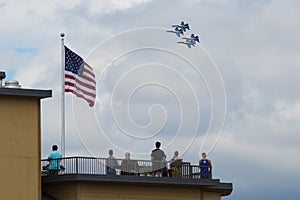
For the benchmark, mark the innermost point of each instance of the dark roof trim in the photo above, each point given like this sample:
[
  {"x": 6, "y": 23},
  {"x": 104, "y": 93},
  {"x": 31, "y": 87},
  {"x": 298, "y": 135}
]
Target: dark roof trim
[
  {"x": 130, "y": 179},
  {"x": 207, "y": 184},
  {"x": 25, "y": 92}
]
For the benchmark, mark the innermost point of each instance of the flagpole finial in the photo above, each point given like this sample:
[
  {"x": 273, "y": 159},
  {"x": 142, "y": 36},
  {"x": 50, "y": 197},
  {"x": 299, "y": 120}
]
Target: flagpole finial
[{"x": 62, "y": 35}]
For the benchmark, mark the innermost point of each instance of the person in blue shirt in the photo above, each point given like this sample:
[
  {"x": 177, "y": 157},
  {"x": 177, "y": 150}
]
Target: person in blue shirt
[
  {"x": 205, "y": 167},
  {"x": 54, "y": 159}
]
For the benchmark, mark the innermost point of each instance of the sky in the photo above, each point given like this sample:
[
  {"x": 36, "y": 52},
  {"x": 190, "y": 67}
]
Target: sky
[{"x": 235, "y": 95}]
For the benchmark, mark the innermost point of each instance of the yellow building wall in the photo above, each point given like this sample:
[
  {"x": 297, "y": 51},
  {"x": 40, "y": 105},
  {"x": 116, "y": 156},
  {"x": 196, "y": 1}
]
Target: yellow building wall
[
  {"x": 62, "y": 191},
  {"x": 20, "y": 148},
  {"x": 124, "y": 191},
  {"x": 90, "y": 191},
  {"x": 211, "y": 196}
]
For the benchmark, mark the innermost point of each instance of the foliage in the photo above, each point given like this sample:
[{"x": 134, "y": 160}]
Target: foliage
[
  {"x": 145, "y": 170},
  {"x": 176, "y": 173}
]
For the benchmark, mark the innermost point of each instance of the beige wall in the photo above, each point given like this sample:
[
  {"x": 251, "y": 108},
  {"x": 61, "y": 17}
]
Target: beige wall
[
  {"x": 210, "y": 196},
  {"x": 125, "y": 191},
  {"x": 91, "y": 191},
  {"x": 20, "y": 148},
  {"x": 62, "y": 191}
]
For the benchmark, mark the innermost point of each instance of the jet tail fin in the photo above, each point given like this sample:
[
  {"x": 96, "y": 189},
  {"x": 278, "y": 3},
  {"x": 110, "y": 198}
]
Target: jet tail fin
[{"x": 187, "y": 26}]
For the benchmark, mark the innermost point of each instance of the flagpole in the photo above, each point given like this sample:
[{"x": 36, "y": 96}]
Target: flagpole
[{"x": 63, "y": 128}]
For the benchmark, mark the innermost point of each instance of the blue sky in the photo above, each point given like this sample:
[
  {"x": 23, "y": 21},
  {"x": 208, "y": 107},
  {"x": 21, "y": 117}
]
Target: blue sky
[{"x": 249, "y": 48}]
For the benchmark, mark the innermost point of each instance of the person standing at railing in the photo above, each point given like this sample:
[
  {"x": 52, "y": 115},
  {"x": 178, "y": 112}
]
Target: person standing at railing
[
  {"x": 205, "y": 167},
  {"x": 111, "y": 163},
  {"x": 54, "y": 159},
  {"x": 129, "y": 167},
  {"x": 158, "y": 158},
  {"x": 175, "y": 165},
  {"x": 175, "y": 157}
]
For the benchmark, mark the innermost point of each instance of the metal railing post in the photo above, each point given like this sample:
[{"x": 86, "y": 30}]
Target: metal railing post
[
  {"x": 190, "y": 171},
  {"x": 76, "y": 165}
]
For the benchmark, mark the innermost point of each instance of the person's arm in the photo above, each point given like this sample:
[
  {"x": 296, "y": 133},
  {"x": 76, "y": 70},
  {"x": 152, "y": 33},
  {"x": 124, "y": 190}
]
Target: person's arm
[
  {"x": 49, "y": 157},
  {"x": 152, "y": 157},
  {"x": 116, "y": 165},
  {"x": 164, "y": 157},
  {"x": 136, "y": 166}
]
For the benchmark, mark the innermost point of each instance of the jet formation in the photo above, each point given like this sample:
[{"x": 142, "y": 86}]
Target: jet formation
[{"x": 180, "y": 29}]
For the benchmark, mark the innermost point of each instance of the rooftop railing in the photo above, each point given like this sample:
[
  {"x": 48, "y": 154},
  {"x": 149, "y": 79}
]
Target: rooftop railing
[{"x": 122, "y": 167}]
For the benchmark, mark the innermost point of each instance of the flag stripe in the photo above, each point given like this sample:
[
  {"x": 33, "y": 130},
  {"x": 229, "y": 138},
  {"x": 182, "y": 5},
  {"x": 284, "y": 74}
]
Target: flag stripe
[
  {"x": 71, "y": 89},
  {"x": 73, "y": 85},
  {"x": 86, "y": 94},
  {"x": 90, "y": 101},
  {"x": 79, "y": 77},
  {"x": 87, "y": 78},
  {"x": 81, "y": 82},
  {"x": 84, "y": 91},
  {"x": 89, "y": 70}
]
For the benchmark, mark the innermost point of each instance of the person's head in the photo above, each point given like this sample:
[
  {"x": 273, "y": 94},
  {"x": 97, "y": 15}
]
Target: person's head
[
  {"x": 54, "y": 147},
  {"x": 127, "y": 155},
  {"x": 157, "y": 144},
  {"x": 110, "y": 152},
  {"x": 176, "y": 153},
  {"x": 203, "y": 155}
]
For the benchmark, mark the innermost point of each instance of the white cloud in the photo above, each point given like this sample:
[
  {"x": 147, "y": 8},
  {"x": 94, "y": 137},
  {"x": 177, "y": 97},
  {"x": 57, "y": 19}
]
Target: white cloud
[{"x": 107, "y": 6}]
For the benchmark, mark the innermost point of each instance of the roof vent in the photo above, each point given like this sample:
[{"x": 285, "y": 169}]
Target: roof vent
[
  {"x": 12, "y": 84},
  {"x": 2, "y": 76}
]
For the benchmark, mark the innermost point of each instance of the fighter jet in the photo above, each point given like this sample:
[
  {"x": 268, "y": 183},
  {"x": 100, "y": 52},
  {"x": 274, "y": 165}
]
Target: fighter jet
[
  {"x": 177, "y": 31},
  {"x": 190, "y": 41},
  {"x": 182, "y": 26},
  {"x": 193, "y": 37},
  {"x": 189, "y": 44}
]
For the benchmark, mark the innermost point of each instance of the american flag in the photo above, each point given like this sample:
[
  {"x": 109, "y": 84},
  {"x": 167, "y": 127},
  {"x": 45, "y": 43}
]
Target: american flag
[{"x": 79, "y": 77}]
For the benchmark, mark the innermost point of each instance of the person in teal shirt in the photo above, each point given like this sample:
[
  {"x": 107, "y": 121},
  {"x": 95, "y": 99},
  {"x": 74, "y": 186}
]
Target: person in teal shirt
[{"x": 54, "y": 160}]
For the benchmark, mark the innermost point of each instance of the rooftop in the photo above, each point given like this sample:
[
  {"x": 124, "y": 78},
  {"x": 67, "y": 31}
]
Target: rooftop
[
  {"x": 94, "y": 170},
  {"x": 25, "y": 92}
]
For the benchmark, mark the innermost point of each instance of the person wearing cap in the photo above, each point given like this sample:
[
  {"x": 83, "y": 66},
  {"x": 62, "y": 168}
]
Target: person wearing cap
[{"x": 205, "y": 167}]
